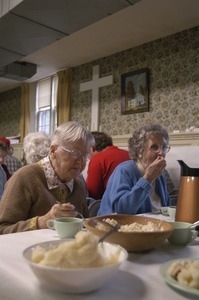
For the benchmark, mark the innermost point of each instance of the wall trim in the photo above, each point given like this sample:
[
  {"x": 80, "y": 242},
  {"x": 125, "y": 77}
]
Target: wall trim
[{"x": 176, "y": 139}]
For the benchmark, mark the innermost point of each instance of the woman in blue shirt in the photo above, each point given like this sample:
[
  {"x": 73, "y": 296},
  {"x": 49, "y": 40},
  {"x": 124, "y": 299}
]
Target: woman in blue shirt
[{"x": 138, "y": 186}]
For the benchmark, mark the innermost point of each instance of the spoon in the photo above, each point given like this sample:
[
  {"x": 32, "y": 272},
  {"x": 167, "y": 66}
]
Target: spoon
[
  {"x": 78, "y": 213},
  {"x": 113, "y": 228},
  {"x": 194, "y": 224}
]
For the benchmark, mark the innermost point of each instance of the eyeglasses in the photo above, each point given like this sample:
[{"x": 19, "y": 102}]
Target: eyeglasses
[
  {"x": 75, "y": 153},
  {"x": 157, "y": 148}
]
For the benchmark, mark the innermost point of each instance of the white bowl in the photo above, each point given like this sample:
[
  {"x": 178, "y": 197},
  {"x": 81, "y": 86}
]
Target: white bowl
[{"x": 74, "y": 280}]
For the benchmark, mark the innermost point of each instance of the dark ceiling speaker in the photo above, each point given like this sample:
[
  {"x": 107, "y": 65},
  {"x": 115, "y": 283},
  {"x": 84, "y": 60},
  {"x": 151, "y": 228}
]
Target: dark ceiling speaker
[{"x": 19, "y": 71}]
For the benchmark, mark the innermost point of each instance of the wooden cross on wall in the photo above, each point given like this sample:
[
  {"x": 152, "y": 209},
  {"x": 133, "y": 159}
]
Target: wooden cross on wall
[{"x": 94, "y": 85}]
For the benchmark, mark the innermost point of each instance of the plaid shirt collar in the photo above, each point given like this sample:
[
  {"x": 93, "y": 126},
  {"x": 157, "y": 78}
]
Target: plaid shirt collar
[{"x": 51, "y": 178}]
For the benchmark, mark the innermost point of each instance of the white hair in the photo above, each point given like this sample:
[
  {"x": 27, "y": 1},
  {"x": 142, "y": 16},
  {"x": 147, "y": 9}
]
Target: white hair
[
  {"x": 69, "y": 132},
  {"x": 36, "y": 145}
]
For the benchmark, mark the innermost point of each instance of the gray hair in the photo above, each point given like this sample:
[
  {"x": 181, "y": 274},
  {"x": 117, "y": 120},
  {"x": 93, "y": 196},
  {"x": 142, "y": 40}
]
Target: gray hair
[
  {"x": 142, "y": 134},
  {"x": 36, "y": 145},
  {"x": 70, "y": 132}
]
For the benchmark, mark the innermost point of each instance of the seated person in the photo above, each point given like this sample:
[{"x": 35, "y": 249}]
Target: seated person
[
  {"x": 36, "y": 145},
  {"x": 3, "y": 175},
  {"x": 139, "y": 185},
  {"x": 12, "y": 163},
  {"x": 106, "y": 157},
  {"x": 31, "y": 194}
]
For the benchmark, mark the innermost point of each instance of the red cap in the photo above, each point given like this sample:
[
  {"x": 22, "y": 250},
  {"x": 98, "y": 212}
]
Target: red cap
[{"x": 5, "y": 141}]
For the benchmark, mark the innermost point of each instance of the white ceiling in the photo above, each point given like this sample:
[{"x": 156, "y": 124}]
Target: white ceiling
[{"x": 128, "y": 26}]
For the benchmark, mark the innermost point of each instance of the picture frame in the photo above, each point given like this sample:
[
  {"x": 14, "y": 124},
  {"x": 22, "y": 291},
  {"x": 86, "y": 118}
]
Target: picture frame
[{"x": 135, "y": 92}]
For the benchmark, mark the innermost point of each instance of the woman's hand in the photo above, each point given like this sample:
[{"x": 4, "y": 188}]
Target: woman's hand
[
  {"x": 155, "y": 169},
  {"x": 58, "y": 210}
]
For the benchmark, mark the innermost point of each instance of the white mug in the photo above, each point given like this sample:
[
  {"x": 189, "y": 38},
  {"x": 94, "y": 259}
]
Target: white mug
[
  {"x": 182, "y": 234},
  {"x": 172, "y": 212},
  {"x": 66, "y": 227}
]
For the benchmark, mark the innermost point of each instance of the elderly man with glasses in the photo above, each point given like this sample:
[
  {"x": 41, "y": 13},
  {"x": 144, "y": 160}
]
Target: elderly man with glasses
[
  {"x": 50, "y": 188},
  {"x": 139, "y": 185}
]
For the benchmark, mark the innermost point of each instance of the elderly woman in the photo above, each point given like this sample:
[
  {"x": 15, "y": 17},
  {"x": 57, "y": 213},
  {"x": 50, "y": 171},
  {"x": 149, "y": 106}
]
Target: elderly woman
[
  {"x": 50, "y": 188},
  {"x": 36, "y": 146},
  {"x": 138, "y": 185}
]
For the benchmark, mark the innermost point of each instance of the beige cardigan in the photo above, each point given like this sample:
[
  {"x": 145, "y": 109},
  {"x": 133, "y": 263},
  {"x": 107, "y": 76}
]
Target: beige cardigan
[{"x": 27, "y": 196}]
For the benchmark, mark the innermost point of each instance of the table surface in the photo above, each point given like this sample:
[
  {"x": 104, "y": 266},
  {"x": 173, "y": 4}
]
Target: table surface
[{"x": 138, "y": 278}]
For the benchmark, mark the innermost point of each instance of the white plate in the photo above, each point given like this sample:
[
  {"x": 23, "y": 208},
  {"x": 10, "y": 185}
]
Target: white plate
[{"x": 182, "y": 289}]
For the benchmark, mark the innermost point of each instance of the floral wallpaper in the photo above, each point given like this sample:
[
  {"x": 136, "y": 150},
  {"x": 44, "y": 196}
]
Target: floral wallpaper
[
  {"x": 174, "y": 85},
  {"x": 174, "y": 88},
  {"x": 10, "y": 103}
]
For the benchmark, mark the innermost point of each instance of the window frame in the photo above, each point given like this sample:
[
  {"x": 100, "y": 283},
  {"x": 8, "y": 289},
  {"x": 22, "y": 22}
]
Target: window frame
[{"x": 53, "y": 84}]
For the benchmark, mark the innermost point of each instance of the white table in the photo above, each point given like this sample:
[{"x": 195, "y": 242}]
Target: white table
[{"x": 139, "y": 277}]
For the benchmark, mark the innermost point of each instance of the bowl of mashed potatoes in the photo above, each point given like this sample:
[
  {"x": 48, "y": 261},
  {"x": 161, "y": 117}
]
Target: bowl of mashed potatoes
[
  {"x": 76, "y": 266},
  {"x": 136, "y": 234}
]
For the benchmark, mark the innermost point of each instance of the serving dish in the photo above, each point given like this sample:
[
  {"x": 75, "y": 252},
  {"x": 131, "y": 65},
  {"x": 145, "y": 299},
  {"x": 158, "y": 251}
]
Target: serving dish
[
  {"x": 133, "y": 241},
  {"x": 74, "y": 280}
]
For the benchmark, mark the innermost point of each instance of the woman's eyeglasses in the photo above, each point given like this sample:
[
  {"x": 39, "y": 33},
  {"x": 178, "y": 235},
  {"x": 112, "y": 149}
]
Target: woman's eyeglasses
[
  {"x": 157, "y": 148},
  {"x": 76, "y": 154}
]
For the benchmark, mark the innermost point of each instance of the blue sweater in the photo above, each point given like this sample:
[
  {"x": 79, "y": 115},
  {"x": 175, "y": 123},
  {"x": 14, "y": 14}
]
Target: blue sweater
[{"x": 127, "y": 192}]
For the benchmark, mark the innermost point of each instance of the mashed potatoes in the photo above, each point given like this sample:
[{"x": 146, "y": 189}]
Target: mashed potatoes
[
  {"x": 186, "y": 272},
  {"x": 131, "y": 227},
  {"x": 82, "y": 252}
]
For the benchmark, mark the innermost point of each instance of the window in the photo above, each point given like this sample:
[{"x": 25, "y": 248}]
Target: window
[{"x": 46, "y": 104}]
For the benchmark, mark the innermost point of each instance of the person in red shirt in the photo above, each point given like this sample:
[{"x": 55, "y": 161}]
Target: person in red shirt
[{"x": 106, "y": 157}]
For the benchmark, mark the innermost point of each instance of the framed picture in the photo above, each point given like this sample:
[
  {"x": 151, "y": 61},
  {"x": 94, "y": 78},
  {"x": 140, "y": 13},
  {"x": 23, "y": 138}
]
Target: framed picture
[{"x": 135, "y": 92}]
